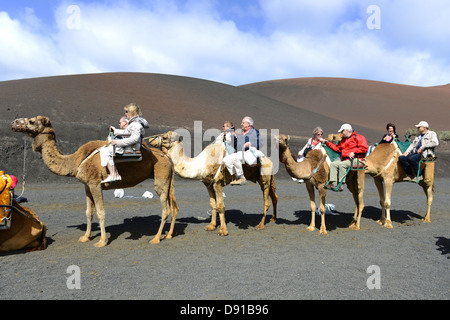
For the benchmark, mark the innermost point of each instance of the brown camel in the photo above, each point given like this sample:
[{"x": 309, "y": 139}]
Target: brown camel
[
  {"x": 26, "y": 231},
  {"x": 84, "y": 165},
  {"x": 383, "y": 165},
  {"x": 207, "y": 167},
  {"x": 314, "y": 170}
]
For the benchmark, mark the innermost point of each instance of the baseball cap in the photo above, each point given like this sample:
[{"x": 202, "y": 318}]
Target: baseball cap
[
  {"x": 423, "y": 124},
  {"x": 346, "y": 127}
]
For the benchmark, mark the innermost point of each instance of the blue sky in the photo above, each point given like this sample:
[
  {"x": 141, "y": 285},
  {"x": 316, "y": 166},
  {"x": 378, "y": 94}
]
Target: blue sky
[{"x": 233, "y": 41}]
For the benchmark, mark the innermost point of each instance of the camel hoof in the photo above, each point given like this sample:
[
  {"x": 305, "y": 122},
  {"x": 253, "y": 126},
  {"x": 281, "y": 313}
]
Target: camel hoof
[
  {"x": 273, "y": 219},
  {"x": 100, "y": 244},
  {"x": 381, "y": 222},
  {"x": 210, "y": 227},
  {"x": 353, "y": 227},
  {"x": 388, "y": 225},
  {"x": 84, "y": 239},
  {"x": 323, "y": 232},
  {"x": 310, "y": 228},
  {"x": 155, "y": 241},
  {"x": 426, "y": 220},
  {"x": 223, "y": 233},
  {"x": 260, "y": 227}
]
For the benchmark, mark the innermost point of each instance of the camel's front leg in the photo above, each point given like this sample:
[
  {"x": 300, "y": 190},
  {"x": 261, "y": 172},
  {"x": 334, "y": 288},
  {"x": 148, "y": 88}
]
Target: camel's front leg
[
  {"x": 213, "y": 203},
  {"x": 312, "y": 200},
  {"x": 387, "y": 203},
  {"x": 90, "y": 207},
  {"x": 323, "y": 196},
  {"x": 380, "y": 189},
  {"x": 97, "y": 195}
]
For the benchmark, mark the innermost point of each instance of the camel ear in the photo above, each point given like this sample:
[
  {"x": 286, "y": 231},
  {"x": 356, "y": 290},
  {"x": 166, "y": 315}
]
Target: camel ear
[
  {"x": 288, "y": 138},
  {"x": 45, "y": 121}
]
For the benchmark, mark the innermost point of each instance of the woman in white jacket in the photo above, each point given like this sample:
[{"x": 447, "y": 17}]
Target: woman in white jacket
[
  {"x": 312, "y": 144},
  {"x": 131, "y": 140}
]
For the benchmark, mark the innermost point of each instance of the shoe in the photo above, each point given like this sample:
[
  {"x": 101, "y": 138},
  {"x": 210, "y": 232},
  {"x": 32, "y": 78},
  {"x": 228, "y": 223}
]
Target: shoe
[
  {"x": 239, "y": 182},
  {"x": 330, "y": 186},
  {"x": 111, "y": 179}
]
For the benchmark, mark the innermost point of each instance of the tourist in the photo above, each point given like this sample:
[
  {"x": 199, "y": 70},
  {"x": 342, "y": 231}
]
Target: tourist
[
  {"x": 248, "y": 144},
  {"x": 352, "y": 146},
  {"x": 131, "y": 140},
  {"x": 422, "y": 147}
]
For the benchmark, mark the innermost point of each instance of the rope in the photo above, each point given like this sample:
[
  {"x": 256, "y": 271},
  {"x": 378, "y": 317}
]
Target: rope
[{"x": 24, "y": 164}]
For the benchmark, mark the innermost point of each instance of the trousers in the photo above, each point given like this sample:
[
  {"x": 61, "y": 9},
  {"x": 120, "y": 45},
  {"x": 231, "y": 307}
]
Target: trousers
[
  {"x": 411, "y": 161},
  {"x": 338, "y": 169}
]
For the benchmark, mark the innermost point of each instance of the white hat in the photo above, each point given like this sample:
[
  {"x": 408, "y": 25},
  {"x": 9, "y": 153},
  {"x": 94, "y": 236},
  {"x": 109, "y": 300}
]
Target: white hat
[
  {"x": 423, "y": 124},
  {"x": 346, "y": 127}
]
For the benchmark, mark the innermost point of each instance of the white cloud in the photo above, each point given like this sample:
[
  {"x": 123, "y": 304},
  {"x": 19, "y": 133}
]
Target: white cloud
[{"x": 298, "y": 38}]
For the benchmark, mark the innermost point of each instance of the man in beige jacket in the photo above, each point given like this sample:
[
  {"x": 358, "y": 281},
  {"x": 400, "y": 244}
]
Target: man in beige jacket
[{"x": 422, "y": 147}]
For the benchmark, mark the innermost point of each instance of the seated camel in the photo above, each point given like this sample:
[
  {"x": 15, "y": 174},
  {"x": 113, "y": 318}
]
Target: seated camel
[
  {"x": 26, "y": 231},
  {"x": 314, "y": 170},
  {"x": 85, "y": 165},
  {"x": 207, "y": 167}
]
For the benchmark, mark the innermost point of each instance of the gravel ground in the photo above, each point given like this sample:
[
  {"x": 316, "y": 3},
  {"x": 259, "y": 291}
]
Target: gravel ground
[{"x": 282, "y": 262}]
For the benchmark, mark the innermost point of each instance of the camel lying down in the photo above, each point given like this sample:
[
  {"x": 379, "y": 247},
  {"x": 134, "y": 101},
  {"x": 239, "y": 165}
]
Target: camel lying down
[{"x": 27, "y": 231}]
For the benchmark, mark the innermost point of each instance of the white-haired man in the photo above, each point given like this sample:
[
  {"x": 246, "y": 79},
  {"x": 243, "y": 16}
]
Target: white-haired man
[
  {"x": 248, "y": 144},
  {"x": 422, "y": 146}
]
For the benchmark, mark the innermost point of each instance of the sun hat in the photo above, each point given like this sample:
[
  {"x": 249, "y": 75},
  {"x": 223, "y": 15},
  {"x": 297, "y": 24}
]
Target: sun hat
[
  {"x": 423, "y": 124},
  {"x": 346, "y": 127}
]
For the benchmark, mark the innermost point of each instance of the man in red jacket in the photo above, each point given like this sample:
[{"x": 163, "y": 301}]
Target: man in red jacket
[{"x": 352, "y": 146}]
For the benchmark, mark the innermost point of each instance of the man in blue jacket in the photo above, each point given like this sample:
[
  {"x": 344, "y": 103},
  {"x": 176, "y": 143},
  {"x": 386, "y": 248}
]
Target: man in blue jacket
[{"x": 248, "y": 144}]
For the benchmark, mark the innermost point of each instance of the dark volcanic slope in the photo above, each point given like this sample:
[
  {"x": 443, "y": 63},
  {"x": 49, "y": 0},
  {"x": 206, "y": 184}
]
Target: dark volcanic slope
[
  {"x": 368, "y": 103},
  {"x": 166, "y": 100},
  {"x": 82, "y": 107}
]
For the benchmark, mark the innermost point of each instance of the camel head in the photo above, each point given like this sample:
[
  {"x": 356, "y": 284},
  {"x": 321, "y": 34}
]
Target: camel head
[
  {"x": 283, "y": 141},
  {"x": 334, "y": 138},
  {"x": 33, "y": 127},
  {"x": 165, "y": 141}
]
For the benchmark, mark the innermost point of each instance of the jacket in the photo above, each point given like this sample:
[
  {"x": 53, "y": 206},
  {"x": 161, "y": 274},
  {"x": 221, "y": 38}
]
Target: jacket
[
  {"x": 132, "y": 134},
  {"x": 252, "y": 136},
  {"x": 309, "y": 145},
  {"x": 429, "y": 142},
  {"x": 356, "y": 143}
]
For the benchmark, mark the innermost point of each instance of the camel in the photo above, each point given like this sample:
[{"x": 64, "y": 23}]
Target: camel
[
  {"x": 207, "y": 167},
  {"x": 26, "y": 231},
  {"x": 84, "y": 165},
  {"x": 314, "y": 170},
  {"x": 383, "y": 165}
]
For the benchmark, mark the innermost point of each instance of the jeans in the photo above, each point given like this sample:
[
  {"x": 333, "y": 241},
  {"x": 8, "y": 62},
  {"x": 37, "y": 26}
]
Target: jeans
[{"x": 411, "y": 161}]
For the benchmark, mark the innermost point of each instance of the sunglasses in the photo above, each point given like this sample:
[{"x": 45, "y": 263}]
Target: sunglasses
[{"x": 319, "y": 134}]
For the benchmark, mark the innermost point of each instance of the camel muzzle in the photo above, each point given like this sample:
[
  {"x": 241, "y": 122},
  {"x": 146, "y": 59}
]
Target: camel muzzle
[{"x": 19, "y": 125}]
